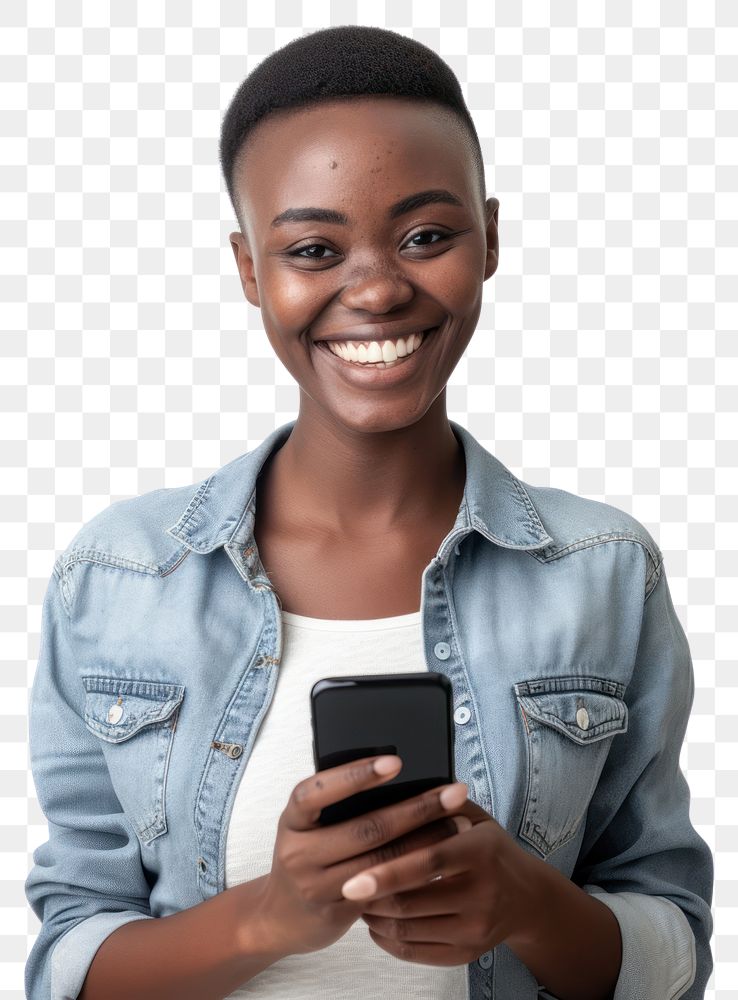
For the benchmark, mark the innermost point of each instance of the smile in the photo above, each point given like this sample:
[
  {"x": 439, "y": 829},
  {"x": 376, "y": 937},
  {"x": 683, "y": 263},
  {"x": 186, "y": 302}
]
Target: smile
[{"x": 377, "y": 354}]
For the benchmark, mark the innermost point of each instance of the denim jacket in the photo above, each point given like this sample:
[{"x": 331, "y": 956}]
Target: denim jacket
[{"x": 572, "y": 686}]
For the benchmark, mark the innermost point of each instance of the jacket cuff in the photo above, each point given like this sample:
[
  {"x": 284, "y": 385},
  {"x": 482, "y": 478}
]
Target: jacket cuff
[
  {"x": 74, "y": 951},
  {"x": 658, "y": 945}
]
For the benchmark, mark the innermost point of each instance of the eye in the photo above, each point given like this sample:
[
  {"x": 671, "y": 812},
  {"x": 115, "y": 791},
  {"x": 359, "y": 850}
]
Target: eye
[
  {"x": 312, "y": 246},
  {"x": 428, "y": 232}
]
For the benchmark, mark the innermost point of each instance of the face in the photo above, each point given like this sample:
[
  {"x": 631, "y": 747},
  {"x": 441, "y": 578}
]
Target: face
[{"x": 369, "y": 261}]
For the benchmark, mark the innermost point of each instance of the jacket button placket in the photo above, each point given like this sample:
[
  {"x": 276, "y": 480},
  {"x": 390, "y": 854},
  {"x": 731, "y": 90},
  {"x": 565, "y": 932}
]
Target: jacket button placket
[
  {"x": 216, "y": 796},
  {"x": 445, "y": 658}
]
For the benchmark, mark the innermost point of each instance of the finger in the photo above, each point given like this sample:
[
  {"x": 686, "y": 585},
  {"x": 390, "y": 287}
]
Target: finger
[
  {"x": 444, "y": 928},
  {"x": 447, "y": 895},
  {"x": 412, "y": 871},
  {"x": 323, "y": 788},
  {"x": 424, "y": 836},
  {"x": 423, "y": 953},
  {"x": 353, "y": 838}
]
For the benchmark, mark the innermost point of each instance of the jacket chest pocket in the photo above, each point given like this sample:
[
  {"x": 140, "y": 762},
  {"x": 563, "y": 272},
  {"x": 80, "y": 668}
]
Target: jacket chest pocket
[
  {"x": 570, "y": 723},
  {"x": 135, "y": 721}
]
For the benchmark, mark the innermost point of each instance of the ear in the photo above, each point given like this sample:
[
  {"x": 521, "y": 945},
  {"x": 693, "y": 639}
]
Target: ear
[
  {"x": 245, "y": 265},
  {"x": 492, "y": 207}
]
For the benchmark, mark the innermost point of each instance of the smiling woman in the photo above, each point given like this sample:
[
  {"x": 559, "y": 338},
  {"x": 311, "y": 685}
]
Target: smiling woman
[{"x": 170, "y": 724}]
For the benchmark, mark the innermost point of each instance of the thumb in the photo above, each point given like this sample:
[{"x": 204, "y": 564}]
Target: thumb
[{"x": 474, "y": 813}]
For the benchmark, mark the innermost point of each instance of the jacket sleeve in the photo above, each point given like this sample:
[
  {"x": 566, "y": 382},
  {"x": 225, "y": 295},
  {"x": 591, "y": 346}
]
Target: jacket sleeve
[
  {"x": 640, "y": 855},
  {"x": 87, "y": 878}
]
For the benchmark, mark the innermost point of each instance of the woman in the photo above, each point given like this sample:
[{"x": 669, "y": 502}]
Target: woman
[{"x": 182, "y": 630}]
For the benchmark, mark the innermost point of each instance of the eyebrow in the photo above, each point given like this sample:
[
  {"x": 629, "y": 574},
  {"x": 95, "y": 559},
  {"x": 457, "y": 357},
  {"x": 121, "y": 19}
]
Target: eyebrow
[{"x": 330, "y": 215}]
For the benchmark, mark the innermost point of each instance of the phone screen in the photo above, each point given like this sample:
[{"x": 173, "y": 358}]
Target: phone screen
[{"x": 361, "y": 716}]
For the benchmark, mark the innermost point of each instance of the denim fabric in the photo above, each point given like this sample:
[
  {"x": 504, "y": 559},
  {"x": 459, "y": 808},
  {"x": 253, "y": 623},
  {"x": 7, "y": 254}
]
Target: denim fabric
[{"x": 549, "y": 613}]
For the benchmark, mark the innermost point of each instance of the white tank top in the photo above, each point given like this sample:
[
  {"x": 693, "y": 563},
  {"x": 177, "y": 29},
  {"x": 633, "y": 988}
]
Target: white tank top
[{"x": 313, "y": 648}]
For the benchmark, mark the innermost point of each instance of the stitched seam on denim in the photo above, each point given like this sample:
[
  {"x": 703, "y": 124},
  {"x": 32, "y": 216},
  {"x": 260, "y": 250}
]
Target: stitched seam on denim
[
  {"x": 569, "y": 837},
  {"x": 605, "y": 536},
  {"x": 469, "y": 688},
  {"x": 567, "y": 729},
  {"x": 108, "y": 559},
  {"x": 549, "y": 554},
  {"x": 569, "y": 682},
  {"x": 496, "y": 537},
  {"x": 178, "y": 557},
  {"x": 534, "y": 522},
  {"x": 182, "y": 525},
  {"x": 207, "y": 763},
  {"x": 153, "y": 825},
  {"x": 159, "y": 825},
  {"x": 246, "y": 511},
  {"x": 656, "y": 576},
  {"x": 135, "y": 687},
  {"x": 546, "y": 847},
  {"x": 61, "y": 579}
]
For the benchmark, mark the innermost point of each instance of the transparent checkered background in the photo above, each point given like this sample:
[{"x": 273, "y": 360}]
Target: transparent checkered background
[{"x": 604, "y": 362}]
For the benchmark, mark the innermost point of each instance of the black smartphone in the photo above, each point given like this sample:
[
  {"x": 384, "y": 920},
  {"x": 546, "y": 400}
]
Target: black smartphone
[{"x": 406, "y": 714}]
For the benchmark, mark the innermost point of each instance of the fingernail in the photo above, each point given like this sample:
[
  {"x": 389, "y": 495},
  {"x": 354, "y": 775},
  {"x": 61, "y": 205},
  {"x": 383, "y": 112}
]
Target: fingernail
[
  {"x": 462, "y": 823},
  {"x": 359, "y": 887},
  {"x": 386, "y": 765},
  {"x": 453, "y": 796}
]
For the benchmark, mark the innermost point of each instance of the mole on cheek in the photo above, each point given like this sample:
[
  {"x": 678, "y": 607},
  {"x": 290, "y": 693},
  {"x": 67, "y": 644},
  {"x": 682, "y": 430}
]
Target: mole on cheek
[{"x": 333, "y": 164}]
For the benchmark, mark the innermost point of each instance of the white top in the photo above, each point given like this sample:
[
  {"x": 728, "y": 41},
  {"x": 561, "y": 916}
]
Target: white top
[{"x": 282, "y": 755}]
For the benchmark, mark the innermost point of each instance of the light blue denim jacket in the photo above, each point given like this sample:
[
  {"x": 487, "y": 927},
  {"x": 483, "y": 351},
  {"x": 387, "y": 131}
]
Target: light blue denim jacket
[{"x": 572, "y": 685}]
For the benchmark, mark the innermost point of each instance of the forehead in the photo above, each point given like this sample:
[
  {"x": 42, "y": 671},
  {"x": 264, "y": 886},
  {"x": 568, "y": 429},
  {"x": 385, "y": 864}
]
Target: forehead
[{"x": 377, "y": 147}]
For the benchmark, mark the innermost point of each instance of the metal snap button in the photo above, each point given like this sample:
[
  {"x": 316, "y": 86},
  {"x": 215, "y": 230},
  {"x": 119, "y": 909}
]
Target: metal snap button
[
  {"x": 583, "y": 718},
  {"x": 115, "y": 714},
  {"x": 442, "y": 650},
  {"x": 485, "y": 960},
  {"x": 462, "y": 715}
]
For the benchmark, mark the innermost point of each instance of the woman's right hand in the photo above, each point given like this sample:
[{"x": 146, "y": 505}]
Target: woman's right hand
[{"x": 300, "y": 907}]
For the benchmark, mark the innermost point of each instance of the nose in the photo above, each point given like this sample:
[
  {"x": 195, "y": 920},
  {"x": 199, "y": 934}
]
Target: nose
[{"x": 379, "y": 290}]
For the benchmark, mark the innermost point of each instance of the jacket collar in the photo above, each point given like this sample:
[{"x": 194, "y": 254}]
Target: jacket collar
[{"x": 495, "y": 502}]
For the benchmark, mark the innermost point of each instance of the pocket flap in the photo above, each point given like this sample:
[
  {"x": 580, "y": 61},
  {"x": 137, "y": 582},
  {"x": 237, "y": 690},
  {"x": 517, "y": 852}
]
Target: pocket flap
[
  {"x": 117, "y": 708},
  {"x": 582, "y": 714}
]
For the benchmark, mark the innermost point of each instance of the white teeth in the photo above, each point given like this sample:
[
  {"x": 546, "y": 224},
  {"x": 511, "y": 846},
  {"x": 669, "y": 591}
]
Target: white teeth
[{"x": 375, "y": 352}]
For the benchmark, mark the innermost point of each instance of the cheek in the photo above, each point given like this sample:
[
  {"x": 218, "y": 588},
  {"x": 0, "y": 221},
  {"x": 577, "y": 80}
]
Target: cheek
[
  {"x": 457, "y": 282},
  {"x": 289, "y": 301},
  {"x": 465, "y": 297}
]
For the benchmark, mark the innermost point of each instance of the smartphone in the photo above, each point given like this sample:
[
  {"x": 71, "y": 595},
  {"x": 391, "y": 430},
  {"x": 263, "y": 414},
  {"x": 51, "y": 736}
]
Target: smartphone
[{"x": 407, "y": 714}]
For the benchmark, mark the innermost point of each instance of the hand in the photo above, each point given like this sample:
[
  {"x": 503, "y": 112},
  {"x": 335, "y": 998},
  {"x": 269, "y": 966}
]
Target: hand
[
  {"x": 300, "y": 907},
  {"x": 482, "y": 892}
]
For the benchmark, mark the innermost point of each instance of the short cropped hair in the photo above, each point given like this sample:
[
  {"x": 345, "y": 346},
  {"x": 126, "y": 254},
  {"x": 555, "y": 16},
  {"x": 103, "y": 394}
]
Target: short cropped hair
[{"x": 336, "y": 62}]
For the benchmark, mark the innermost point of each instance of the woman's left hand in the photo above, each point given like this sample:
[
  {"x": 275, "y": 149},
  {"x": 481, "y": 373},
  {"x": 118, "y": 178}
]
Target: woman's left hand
[{"x": 486, "y": 894}]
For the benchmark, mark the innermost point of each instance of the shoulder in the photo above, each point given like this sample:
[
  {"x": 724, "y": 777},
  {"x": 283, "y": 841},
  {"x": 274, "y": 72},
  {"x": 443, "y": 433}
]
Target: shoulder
[
  {"x": 132, "y": 533},
  {"x": 152, "y": 532},
  {"x": 576, "y": 522}
]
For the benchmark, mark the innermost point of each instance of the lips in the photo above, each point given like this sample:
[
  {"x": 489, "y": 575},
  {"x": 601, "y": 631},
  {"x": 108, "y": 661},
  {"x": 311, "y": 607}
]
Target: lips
[
  {"x": 371, "y": 333},
  {"x": 376, "y": 365},
  {"x": 378, "y": 375}
]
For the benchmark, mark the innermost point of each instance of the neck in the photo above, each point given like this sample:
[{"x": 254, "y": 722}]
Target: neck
[{"x": 363, "y": 484}]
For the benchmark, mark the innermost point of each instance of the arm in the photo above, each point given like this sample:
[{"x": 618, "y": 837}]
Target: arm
[
  {"x": 575, "y": 946},
  {"x": 88, "y": 886},
  {"x": 641, "y": 856},
  {"x": 203, "y": 953}
]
